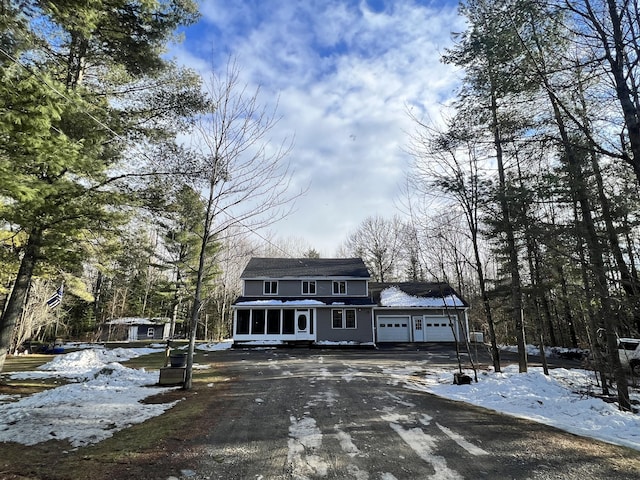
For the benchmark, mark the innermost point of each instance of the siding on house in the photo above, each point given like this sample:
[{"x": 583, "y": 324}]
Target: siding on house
[
  {"x": 362, "y": 334},
  {"x": 342, "y": 307},
  {"x": 335, "y": 308},
  {"x": 293, "y": 288}
]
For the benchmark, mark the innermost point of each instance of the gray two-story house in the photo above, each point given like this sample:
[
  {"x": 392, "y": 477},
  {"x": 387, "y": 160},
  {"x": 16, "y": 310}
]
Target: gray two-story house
[
  {"x": 331, "y": 301},
  {"x": 315, "y": 300}
]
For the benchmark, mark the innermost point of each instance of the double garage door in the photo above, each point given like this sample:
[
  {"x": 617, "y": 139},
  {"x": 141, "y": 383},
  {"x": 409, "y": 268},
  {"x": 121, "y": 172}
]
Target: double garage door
[{"x": 413, "y": 329}]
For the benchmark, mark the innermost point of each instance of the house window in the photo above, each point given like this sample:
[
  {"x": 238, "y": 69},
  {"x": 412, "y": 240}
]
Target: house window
[
  {"x": 337, "y": 319},
  {"x": 288, "y": 322},
  {"x": 242, "y": 322},
  {"x": 418, "y": 323},
  {"x": 309, "y": 287},
  {"x": 150, "y": 332},
  {"x": 257, "y": 322},
  {"x": 340, "y": 288},
  {"x": 350, "y": 318},
  {"x": 270, "y": 287},
  {"x": 273, "y": 322},
  {"x": 343, "y": 318}
]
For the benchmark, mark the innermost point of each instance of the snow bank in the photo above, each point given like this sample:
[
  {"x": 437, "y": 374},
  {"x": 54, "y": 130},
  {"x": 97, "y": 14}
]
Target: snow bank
[
  {"x": 107, "y": 400},
  {"x": 560, "y": 400}
]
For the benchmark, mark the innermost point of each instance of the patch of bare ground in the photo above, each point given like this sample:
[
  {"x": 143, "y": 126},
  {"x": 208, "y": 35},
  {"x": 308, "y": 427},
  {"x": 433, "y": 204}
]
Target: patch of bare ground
[{"x": 156, "y": 449}]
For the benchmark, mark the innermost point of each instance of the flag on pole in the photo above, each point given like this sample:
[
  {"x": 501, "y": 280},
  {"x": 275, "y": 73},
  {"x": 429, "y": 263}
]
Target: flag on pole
[{"x": 56, "y": 298}]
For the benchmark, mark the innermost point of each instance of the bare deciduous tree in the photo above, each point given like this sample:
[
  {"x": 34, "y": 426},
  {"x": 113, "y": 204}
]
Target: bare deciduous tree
[
  {"x": 451, "y": 164},
  {"x": 379, "y": 242},
  {"x": 243, "y": 178}
]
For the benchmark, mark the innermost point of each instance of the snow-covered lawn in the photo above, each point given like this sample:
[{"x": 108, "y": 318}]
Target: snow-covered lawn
[
  {"x": 560, "y": 399},
  {"x": 101, "y": 397}
]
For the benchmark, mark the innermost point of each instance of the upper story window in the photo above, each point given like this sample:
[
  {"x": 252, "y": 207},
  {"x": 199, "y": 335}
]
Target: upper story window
[
  {"x": 340, "y": 288},
  {"x": 270, "y": 287},
  {"x": 308, "y": 287}
]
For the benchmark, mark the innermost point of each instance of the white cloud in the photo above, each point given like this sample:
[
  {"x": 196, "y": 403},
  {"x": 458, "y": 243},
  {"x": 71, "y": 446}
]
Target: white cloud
[{"x": 344, "y": 74}]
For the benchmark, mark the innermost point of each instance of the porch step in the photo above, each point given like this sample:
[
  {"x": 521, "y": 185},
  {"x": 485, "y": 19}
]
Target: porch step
[{"x": 299, "y": 343}]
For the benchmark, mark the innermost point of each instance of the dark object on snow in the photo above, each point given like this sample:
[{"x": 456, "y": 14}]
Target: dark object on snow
[
  {"x": 461, "y": 379},
  {"x": 178, "y": 360},
  {"x": 55, "y": 348}
]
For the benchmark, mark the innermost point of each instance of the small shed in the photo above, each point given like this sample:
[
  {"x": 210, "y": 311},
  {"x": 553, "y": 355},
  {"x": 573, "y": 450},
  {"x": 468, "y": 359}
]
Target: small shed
[{"x": 138, "y": 328}]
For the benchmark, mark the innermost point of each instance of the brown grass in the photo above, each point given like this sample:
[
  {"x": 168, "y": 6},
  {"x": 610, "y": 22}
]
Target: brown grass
[{"x": 141, "y": 451}]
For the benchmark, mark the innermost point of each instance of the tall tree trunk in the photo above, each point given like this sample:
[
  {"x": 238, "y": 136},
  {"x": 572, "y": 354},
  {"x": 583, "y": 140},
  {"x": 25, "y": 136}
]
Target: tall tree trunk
[
  {"x": 97, "y": 299},
  {"x": 486, "y": 304},
  {"x": 568, "y": 315},
  {"x": 628, "y": 279},
  {"x": 16, "y": 301},
  {"x": 596, "y": 255},
  {"x": 197, "y": 299},
  {"x": 580, "y": 192},
  {"x": 507, "y": 227},
  {"x": 536, "y": 295},
  {"x": 594, "y": 323},
  {"x": 76, "y": 60},
  {"x": 618, "y": 60},
  {"x": 632, "y": 260}
]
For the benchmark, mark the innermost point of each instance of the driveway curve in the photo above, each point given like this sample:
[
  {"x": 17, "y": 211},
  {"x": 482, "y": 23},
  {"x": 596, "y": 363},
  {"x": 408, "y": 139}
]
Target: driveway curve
[{"x": 340, "y": 414}]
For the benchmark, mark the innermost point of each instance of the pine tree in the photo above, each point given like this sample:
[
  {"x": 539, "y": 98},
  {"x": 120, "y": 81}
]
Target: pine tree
[{"x": 82, "y": 83}]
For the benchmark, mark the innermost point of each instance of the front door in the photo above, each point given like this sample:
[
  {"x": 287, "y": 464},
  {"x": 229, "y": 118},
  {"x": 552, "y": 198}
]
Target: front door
[{"x": 304, "y": 327}]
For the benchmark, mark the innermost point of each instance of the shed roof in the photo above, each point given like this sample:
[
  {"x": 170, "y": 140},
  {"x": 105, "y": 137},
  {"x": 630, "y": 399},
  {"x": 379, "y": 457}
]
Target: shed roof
[
  {"x": 305, "y": 268},
  {"x": 138, "y": 321}
]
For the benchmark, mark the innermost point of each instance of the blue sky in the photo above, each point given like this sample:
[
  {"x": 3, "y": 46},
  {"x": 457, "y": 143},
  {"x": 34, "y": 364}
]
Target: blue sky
[{"x": 344, "y": 74}]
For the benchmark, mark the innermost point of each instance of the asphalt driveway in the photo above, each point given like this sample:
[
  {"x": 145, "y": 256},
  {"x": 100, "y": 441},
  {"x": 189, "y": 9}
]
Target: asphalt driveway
[{"x": 338, "y": 414}]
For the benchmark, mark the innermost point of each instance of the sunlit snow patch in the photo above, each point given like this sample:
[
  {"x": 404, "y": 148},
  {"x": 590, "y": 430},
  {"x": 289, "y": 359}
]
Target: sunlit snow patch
[{"x": 106, "y": 401}]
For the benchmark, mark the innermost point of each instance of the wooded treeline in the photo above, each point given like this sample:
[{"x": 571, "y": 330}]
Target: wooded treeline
[
  {"x": 526, "y": 197},
  {"x": 538, "y": 167},
  {"x": 99, "y": 190}
]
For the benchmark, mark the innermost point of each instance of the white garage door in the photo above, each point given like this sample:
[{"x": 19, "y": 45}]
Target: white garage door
[
  {"x": 437, "y": 329},
  {"x": 393, "y": 329}
]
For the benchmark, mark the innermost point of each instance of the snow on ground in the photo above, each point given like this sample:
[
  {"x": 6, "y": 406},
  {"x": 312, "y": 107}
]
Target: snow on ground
[
  {"x": 561, "y": 399},
  {"x": 104, "y": 397},
  {"x": 212, "y": 347}
]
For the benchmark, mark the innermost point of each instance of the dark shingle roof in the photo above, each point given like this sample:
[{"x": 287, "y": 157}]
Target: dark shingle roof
[{"x": 305, "y": 267}]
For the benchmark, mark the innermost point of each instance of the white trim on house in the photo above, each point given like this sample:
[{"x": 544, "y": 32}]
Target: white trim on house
[{"x": 308, "y": 333}]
